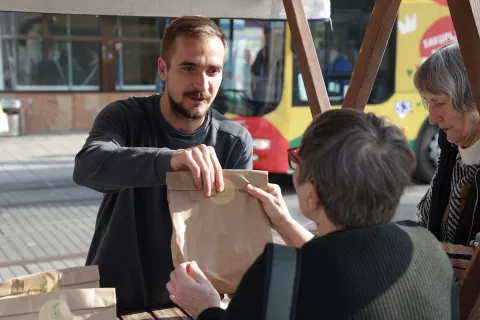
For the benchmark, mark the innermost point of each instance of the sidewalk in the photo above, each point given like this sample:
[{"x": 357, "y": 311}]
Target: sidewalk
[
  {"x": 32, "y": 161},
  {"x": 46, "y": 221}
]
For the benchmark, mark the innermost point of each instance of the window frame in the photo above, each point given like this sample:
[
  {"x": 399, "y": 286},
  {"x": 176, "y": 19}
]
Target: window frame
[
  {"x": 46, "y": 36},
  {"x": 107, "y": 42}
]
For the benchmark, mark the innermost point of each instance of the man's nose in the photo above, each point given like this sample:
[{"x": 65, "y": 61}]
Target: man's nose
[{"x": 201, "y": 82}]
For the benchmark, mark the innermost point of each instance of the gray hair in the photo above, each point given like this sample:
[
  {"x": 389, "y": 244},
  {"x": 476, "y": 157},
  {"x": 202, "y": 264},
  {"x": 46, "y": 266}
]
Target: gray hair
[
  {"x": 359, "y": 165},
  {"x": 444, "y": 73}
]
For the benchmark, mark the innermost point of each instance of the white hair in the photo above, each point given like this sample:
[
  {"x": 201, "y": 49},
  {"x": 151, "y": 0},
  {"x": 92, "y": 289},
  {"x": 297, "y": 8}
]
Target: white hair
[{"x": 444, "y": 72}]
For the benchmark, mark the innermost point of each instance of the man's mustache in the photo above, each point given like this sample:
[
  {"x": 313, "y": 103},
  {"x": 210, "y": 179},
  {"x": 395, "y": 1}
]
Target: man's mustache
[{"x": 198, "y": 95}]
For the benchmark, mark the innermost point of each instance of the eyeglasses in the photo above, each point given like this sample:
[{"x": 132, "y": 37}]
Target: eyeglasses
[{"x": 293, "y": 158}]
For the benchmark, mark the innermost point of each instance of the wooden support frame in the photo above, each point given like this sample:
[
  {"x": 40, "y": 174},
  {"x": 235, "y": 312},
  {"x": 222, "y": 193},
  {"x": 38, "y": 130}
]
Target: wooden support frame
[
  {"x": 466, "y": 21},
  {"x": 373, "y": 47},
  {"x": 366, "y": 68},
  {"x": 469, "y": 286},
  {"x": 307, "y": 57}
]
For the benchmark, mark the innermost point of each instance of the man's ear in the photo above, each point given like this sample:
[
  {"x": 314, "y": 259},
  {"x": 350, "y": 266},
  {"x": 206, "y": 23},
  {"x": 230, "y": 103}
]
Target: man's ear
[{"x": 162, "y": 69}]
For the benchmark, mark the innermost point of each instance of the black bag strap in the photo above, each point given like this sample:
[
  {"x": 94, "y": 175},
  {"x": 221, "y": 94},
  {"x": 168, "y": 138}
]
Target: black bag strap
[{"x": 282, "y": 287}]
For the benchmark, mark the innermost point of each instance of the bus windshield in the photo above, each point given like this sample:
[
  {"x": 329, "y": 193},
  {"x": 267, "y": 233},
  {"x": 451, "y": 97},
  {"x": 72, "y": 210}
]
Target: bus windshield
[
  {"x": 253, "y": 74},
  {"x": 337, "y": 51}
]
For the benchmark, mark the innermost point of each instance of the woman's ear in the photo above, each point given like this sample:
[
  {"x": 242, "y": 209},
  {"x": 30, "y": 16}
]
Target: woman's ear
[{"x": 313, "y": 201}]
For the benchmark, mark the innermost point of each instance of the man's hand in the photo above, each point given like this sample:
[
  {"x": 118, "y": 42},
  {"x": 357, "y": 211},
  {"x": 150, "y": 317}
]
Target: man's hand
[
  {"x": 203, "y": 163},
  {"x": 191, "y": 290},
  {"x": 273, "y": 203}
]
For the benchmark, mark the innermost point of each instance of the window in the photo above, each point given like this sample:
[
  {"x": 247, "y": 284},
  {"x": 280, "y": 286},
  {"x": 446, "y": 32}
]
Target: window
[
  {"x": 137, "y": 46},
  {"x": 49, "y": 52},
  {"x": 55, "y": 52},
  {"x": 253, "y": 74},
  {"x": 337, "y": 52}
]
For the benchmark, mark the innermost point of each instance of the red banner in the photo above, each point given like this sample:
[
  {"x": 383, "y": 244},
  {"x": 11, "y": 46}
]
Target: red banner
[
  {"x": 440, "y": 33},
  {"x": 443, "y": 2}
]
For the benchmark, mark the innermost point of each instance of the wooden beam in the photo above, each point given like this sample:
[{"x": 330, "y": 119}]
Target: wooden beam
[
  {"x": 466, "y": 21},
  {"x": 469, "y": 288},
  {"x": 307, "y": 57},
  {"x": 371, "y": 53}
]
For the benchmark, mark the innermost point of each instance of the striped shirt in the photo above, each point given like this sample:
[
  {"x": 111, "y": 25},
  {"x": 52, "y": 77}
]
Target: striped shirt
[{"x": 463, "y": 176}]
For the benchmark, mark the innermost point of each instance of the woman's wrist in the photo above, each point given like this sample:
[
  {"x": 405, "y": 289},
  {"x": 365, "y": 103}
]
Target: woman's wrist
[{"x": 284, "y": 224}]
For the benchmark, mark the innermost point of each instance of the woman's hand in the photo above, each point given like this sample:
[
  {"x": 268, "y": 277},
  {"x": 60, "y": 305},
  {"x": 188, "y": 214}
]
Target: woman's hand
[
  {"x": 292, "y": 232},
  {"x": 191, "y": 290},
  {"x": 273, "y": 203}
]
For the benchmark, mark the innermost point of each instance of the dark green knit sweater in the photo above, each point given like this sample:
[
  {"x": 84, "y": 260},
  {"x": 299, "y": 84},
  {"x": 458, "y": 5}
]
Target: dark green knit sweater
[{"x": 394, "y": 271}]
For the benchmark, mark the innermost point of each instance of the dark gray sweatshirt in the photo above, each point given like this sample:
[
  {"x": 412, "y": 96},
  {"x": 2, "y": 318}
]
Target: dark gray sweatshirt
[{"x": 126, "y": 157}]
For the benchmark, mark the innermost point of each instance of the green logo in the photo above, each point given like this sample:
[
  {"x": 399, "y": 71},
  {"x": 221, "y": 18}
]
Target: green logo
[
  {"x": 55, "y": 311},
  {"x": 43, "y": 286}
]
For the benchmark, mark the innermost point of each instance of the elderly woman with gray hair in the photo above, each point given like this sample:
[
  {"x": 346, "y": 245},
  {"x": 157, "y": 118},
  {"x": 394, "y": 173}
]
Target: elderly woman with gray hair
[{"x": 450, "y": 206}]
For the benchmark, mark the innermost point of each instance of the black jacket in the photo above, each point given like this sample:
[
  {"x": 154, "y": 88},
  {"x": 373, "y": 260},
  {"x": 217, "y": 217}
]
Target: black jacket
[
  {"x": 468, "y": 226},
  {"x": 393, "y": 271}
]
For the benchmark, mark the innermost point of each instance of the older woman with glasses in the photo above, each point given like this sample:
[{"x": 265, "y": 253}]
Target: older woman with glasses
[
  {"x": 350, "y": 172},
  {"x": 450, "y": 206}
]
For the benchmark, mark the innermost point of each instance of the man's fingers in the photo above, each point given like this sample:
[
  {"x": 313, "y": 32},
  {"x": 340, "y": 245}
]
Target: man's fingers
[
  {"x": 204, "y": 171},
  {"x": 218, "y": 171},
  {"x": 208, "y": 160},
  {"x": 194, "y": 168}
]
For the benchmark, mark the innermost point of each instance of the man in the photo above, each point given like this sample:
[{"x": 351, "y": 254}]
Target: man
[
  {"x": 350, "y": 172},
  {"x": 338, "y": 65},
  {"x": 134, "y": 142}
]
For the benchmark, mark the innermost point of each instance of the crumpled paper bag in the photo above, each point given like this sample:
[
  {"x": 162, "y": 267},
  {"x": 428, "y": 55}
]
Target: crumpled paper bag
[
  {"x": 68, "y": 304},
  {"x": 223, "y": 233},
  {"x": 51, "y": 280}
]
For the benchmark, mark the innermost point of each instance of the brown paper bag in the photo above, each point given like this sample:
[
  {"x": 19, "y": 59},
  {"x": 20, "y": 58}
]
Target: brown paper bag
[
  {"x": 51, "y": 280},
  {"x": 68, "y": 304},
  {"x": 223, "y": 233}
]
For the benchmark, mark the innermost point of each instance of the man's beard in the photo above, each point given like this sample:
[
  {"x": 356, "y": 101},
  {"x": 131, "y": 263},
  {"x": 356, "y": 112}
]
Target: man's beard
[{"x": 180, "y": 110}]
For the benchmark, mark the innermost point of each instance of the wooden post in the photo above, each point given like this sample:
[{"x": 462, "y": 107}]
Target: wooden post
[
  {"x": 307, "y": 57},
  {"x": 466, "y": 20},
  {"x": 371, "y": 53},
  {"x": 468, "y": 289}
]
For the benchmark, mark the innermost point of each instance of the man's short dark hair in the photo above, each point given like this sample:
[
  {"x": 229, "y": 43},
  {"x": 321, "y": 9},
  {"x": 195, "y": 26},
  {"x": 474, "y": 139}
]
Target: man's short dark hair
[
  {"x": 359, "y": 165},
  {"x": 197, "y": 27}
]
